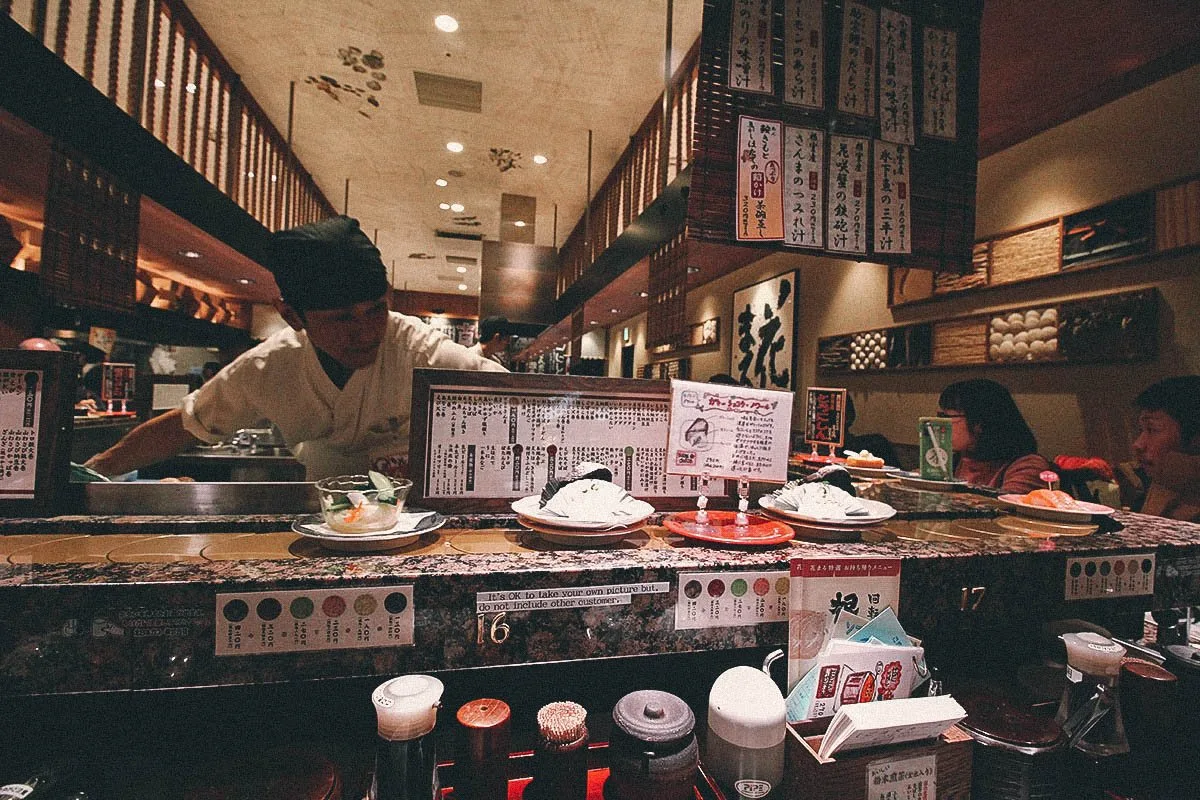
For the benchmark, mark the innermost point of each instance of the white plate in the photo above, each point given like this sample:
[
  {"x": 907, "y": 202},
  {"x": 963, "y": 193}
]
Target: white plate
[
  {"x": 313, "y": 526},
  {"x": 876, "y": 512},
  {"x": 630, "y": 511},
  {"x": 917, "y": 482},
  {"x": 874, "y": 472},
  {"x": 1085, "y": 513}
]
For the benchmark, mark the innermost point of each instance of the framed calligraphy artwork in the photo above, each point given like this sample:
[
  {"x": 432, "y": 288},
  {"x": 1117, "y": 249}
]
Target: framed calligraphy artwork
[{"x": 764, "y": 320}]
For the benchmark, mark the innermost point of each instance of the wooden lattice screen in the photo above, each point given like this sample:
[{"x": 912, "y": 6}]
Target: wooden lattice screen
[{"x": 665, "y": 323}]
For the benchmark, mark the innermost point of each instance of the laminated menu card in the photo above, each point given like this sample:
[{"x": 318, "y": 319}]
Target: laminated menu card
[
  {"x": 854, "y": 672},
  {"x": 889, "y": 722}
]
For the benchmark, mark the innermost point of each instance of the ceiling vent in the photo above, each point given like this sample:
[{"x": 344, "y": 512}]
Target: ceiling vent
[
  {"x": 443, "y": 91},
  {"x": 466, "y": 261},
  {"x": 469, "y": 237}
]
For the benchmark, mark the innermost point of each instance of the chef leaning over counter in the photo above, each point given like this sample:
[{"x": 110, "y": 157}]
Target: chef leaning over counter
[{"x": 337, "y": 382}]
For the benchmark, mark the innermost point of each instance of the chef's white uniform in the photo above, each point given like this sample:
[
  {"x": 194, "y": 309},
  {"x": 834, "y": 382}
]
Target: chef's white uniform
[{"x": 331, "y": 431}]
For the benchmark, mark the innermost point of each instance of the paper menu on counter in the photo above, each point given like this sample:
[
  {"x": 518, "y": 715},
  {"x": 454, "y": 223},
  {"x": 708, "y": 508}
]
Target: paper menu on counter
[
  {"x": 910, "y": 719},
  {"x": 853, "y": 672},
  {"x": 822, "y": 589},
  {"x": 729, "y": 431},
  {"x": 20, "y": 420}
]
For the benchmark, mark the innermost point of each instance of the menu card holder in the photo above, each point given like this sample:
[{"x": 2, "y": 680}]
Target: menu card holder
[{"x": 35, "y": 430}]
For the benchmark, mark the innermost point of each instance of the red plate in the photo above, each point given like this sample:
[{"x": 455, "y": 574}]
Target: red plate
[{"x": 720, "y": 528}]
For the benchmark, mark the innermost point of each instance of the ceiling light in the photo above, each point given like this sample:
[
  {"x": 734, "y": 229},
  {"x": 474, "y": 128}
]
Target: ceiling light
[
  {"x": 615, "y": 310},
  {"x": 457, "y": 208},
  {"x": 445, "y": 22},
  {"x": 159, "y": 83},
  {"x": 444, "y": 206},
  {"x": 643, "y": 294},
  {"x": 274, "y": 178},
  {"x": 250, "y": 175},
  {"x": 460, "y": 270},
  {"x": 245, "y": 281},
  {"x": 693, "y": 270},
  {"x": 191, "y": 88},
  {"x": 442, "y": 182},
  {"x": 454, "y": 147},
  {"x": 189, "y": 254},
  {"x": 539, "y": 159},
  {"x": 595, "y": 323},
  {"x": 520, "y": 223},
  {"x": 462, "y": 287}
]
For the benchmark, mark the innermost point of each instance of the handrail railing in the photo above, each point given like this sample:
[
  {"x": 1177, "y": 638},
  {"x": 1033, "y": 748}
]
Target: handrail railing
[
  {"x": 637, "y": 179},
  {"x": 155, "y": 62}
]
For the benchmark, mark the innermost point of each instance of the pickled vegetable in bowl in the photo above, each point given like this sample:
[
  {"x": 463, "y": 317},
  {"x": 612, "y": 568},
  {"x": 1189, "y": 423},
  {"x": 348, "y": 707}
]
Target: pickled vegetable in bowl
[{"x": 362, "y": 503}]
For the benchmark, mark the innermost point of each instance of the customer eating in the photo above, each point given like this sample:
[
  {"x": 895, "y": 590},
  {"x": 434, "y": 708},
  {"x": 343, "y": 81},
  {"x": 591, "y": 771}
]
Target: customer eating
[{"x": 995, "y": 446}]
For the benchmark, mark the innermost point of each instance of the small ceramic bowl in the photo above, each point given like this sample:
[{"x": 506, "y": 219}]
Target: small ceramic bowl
[{"x": 355, "y": 504}]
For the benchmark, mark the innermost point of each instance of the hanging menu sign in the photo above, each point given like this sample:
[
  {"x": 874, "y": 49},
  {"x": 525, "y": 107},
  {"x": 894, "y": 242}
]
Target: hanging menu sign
[
  {"x": 895, "y": 77},
  {"x": 20, "y": 416},
  {"x": 803, "y": 187},
  {"x": 803, "y": 53},
  {"x": 825, "y": 416},
  {"x": 729, "y": 431},
  {"x": 847, "y": 199},
  {"x": 856, "y": 75},
  {"x": 750, "y": 46},
  {"x": 892, "y": 218},
  {"x": 940, "y": 86},
  {"x": 759, "y": 190}
]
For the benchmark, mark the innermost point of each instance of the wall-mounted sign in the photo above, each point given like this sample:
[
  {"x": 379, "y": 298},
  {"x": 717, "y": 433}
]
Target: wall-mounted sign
[
  {"x": 893, "y": 220},
  {"x": 849, "y": 160},
  {"x": 36, "y": 395},
  {"x": 750, "y": 46},
  {"x": 803, "y": 53},
  {"x": 764, "y": 333},
  {"x": 759, "y": 185},
  {"x": 856, "y": 74},
  {"x": 940, "y": 85},
  {"x": 895, "y": 77},
  {"x": 803, "y": 187}
]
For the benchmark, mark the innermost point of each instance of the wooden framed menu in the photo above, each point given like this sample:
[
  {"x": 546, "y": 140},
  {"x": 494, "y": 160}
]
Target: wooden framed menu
[
  {"x": 37, "y": 395},
  {"x": 825, "y": 416},
  {"x": 480, "y": 440}
]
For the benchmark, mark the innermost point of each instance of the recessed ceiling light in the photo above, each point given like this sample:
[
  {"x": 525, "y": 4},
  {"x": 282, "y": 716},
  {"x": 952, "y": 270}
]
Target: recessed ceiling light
[
  {"x": 191, "y": 88},
  {"x": 539, "y": 159},
  {"x": 454, "y": 147},
  {"x": 159, "y": 83},
  {"x": 274, "y": 178},
  {"x": 245, "y": 281},
  {"x": 595, "y": 323},
  {"x": 442, "y": 182},
  {"x": 445, "y": 22},
  {"x": 520, "y": 223},
  {"x": 693, "y": 270},
  {"x": 462, "y": 287},
  {"x": 444, "y": 206},
  {"x": 615, "y": 310},
  {"x": 457, "y": 208},
  {"x": 643, "y": 294},
  {"x": 250, "y": 175},
  {"x": 189, "y": 254},
  {"x": 460, "y": 270}
]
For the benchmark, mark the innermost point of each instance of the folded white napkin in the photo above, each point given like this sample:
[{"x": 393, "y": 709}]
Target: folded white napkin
[
  {"x": 819, "y": 500},
  {"x": 588, "y": 499}
]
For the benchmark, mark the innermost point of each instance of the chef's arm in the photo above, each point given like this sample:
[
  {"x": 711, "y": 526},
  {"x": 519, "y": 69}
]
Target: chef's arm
[{"x": 148, "y": 443}]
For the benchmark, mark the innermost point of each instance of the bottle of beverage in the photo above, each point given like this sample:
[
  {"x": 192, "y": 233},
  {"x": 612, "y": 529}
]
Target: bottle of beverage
[
  {"x": 405, "y": 759},
  {"x": 560, "y": 758}
]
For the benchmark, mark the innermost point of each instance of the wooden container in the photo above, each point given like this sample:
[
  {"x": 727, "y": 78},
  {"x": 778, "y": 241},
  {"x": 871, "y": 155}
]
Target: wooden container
[{"x": 845, "y": 776}]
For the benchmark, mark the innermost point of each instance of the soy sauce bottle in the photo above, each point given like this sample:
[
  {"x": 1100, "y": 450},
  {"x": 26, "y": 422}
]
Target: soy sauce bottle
[{"x": 405, "y": 760}]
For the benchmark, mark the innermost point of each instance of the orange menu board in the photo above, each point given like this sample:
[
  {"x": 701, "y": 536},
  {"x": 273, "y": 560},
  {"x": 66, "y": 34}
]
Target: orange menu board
[{"x": 760, "y": 180}]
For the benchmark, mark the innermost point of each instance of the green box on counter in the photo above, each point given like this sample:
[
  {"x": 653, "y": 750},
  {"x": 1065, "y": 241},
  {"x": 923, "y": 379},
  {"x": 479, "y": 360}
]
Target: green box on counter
[{"x": 937, "y": 448}]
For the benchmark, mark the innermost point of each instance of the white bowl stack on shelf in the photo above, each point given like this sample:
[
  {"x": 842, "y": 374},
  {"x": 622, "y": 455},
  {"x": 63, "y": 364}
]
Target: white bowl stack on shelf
[{"x": 1024, "y": 336}]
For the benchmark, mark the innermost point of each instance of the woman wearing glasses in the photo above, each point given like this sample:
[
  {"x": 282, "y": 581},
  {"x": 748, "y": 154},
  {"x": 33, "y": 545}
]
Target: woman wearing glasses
[{"x": 995, "y": 445}]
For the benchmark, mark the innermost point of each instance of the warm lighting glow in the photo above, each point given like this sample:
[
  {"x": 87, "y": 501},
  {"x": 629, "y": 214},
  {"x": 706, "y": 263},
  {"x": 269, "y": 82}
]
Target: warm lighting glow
[
  {"x": 539, "y": 159},
  {"x": 446, "y": 23},
  {"x": 442, "y": 182},
  {"x": 457, "y": 208},
  {"x": 274, "y": 178},
  {"x": 460, "y": 270},
  {"x": 159, "y": 83},
  {"x": 462, "y": 287},
  {"x": 693, "y": 270},
  {"x": 245, "y": 281},
  {"x": 615, "y": 310},
  {"x": 189, "y": 254},
  {"x": 250, "y": 175},
  {"x": 643, "y": 294},
  {"x": 454, "y": 147},
  {"x": 444, "y": 206},
  {"x": 520, "y": 223}
]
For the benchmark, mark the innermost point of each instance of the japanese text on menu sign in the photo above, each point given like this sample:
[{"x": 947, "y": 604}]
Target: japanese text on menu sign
[
  {"x": 20, "y": 415},
  {"x": 760, "y": 184},
  {"x": 856, "y": 78},
  {"x": 803, "y": 185},
  {"x": 825, "y": 416},
  {"x": 117, "y": 381},
  {"x": 895, "y": 77},
  {"x": 892, "y": 181},
  {"x": 728, "y": 431},
  {"x": 496, "y": 445},
  {"x": 750, "y": 46},
  {"x": 847, "y": 218},
  {"x": 941, "y": 84},
  {"x": 804, "y": 54}
]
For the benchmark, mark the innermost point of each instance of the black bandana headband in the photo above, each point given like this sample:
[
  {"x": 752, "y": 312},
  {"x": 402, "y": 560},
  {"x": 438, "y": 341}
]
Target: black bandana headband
[{"x": 327, "y": 264}]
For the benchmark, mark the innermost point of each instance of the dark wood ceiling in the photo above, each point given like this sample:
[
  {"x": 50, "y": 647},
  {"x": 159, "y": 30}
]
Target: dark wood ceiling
[{"x": 1043, "y": 62}]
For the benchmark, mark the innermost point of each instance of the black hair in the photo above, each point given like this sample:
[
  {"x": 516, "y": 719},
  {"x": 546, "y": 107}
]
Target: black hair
[
  {"x": 490, "y": 326},
  {"x": 851, "y": 414},
  {"x": 1178, "y": 398},
  {"x": 724, "y": 379},
  {"x": 1001, "y": 433}
]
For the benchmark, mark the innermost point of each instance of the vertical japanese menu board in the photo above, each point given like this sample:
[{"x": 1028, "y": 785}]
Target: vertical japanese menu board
[
  {"x": 875, "y": 109},
  {"x": 825, "y": 416},
  {"x": 482, "y": 439},
  {"x": 36, "y": 395}
]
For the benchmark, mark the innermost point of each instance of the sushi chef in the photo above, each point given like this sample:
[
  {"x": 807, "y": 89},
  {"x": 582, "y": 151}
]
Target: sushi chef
[{"x": 337, "y": 381}]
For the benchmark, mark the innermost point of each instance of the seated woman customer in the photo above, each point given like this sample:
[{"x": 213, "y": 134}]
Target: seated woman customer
[
  {"x": 1168, "y": 447},
  {"x": 995, "y": 445}
]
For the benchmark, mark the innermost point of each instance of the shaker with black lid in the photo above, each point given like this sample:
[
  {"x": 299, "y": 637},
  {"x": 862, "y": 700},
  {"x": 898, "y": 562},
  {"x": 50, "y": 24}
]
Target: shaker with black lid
[{"x": 653, "y": 753}]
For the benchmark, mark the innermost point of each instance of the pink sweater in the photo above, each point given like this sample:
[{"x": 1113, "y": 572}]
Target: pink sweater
[{"x": 1013, "y": 477}]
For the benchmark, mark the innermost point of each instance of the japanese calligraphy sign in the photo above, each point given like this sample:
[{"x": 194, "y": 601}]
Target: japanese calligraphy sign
[
  {"x": 856, "y": 75},
  {"x": 893, "y": 217},
  {"x": 760, "y": 180},
  {"x": 895, "y": 77},
  {"x": 803, "y": 53},
  {"x": 846, "y": 201},
  {"x": 940, "y": 84},
  {"x": 20, "y": 416},
  {"x": 803, "y": 187},
  {"x": 764, "y": 320},
  {"x": 902, "y": 779},
  {"x": 750, "y": 46},
  {"x": 728, "y": 431},
  {"x": 825, "y": 416}
]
